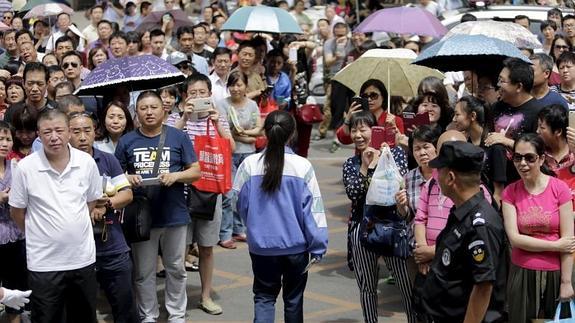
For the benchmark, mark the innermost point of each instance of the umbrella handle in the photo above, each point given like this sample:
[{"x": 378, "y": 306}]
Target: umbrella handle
[{"x": 388, "y": 91}]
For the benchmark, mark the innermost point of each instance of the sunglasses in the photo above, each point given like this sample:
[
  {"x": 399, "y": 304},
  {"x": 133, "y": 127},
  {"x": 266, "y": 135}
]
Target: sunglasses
[
  {"x": 371, "y": 95},
  {"x": 184, "y": 66},
  {"x": 66, "y": 65},
  {"x": 561, "y": 47},
  {"x": 529, "y": 158}
]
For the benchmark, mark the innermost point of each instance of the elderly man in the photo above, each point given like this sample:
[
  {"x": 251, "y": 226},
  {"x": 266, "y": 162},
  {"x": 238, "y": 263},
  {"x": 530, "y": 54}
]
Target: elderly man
[{"x": 56, "y": 218}]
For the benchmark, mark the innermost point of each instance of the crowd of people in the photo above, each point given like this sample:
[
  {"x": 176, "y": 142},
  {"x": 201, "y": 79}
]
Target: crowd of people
[{"x": 491, "y": 170}]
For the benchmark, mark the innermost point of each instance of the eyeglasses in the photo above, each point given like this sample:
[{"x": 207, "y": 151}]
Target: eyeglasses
[
  {"x": 561, "y": 47},
  {"x": 66, "y": 65},
  {"x": 485, "y": 88},
  {"x": 371, "y": 95},
  {"x": 529, "y": 158}
]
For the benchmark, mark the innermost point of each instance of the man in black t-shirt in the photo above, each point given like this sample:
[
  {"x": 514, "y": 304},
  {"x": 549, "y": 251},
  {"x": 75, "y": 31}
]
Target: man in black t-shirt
[{"x": 516, "y": 111}]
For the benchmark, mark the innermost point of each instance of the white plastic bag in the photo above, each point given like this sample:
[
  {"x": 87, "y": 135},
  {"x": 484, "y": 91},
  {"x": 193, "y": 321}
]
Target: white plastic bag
[{"x": 385, "y": 182}]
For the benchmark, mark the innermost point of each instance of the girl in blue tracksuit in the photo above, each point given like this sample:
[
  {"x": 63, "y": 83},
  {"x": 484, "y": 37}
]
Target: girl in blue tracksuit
[{"x": 278, "y": 198}]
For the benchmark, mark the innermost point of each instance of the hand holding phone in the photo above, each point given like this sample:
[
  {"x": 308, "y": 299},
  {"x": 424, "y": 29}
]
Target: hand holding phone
[{"x": 361, "y": 102}]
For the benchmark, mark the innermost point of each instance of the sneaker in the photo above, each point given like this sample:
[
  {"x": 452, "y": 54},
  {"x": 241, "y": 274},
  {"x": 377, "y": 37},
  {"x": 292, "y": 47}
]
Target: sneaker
[
  {"x": 210, "y": 307},
  {"x": 192, "y": 266},
  {"x": 240, "y": 237},
  {"x": 334, "y": 147},
  {"x": 317, "y": 137},
  {"x": 228, "y": 244}
]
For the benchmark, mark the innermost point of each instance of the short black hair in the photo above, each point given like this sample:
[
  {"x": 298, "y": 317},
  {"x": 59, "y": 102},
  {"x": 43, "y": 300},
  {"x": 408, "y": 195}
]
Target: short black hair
[
  {"x": 54, "y": 69},
  {"x": 65, "y": 84},
  {"x": 63, "y": 39},
  {"x": 554, "y": 11},
  {"x": 156, "y": 33},
  {"x": 555, "y": 116},
  {"x": 36, "y": 67},
  {"x": 50, "y": 114},
  {"x": 520, "y": 72},
  {"x": 568, "y": 17},
  {"x": 221, "y": 51},
  {"x": 63, "y": 13},
  {"x": 68, "y": 100},
  {"x": 104, "y": 21},
  {"x": 187, "y": 29},
  {"x": 216, "y": 17},
  {"x": 24, "y": 32},
  {"x": 144, "y": 5},
  {"x": 425, "y": 133},
  {"x": 548, "y": 23},
  {"x": 566, "y": 57},
  {"x": 362, "y": 118},
  {"x": 521, "y": 17},
  {"x": 133, "y": 37},
  {"x": 197, "y": 77},
  {"x": 73, "y": 53},
  {"x": 121, "y": 35}
]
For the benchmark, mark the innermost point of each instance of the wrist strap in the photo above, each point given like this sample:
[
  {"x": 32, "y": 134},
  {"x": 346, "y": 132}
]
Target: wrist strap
[{"x": 159, "y": 152}]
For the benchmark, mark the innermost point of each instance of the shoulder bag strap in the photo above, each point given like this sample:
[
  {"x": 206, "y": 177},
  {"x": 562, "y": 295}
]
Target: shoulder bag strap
[{"x": 159, "y": 152}]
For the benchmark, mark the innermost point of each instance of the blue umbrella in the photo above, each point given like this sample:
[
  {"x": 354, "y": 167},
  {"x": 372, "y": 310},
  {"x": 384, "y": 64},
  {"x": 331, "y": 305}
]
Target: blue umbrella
[
  {"x": 138, "y": 73},
  {"x": 469, "y": 53},
  {"x": 262, "y": 19}
]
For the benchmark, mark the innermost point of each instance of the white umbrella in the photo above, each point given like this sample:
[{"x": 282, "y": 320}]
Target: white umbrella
[{"x": 511, "y": 32}]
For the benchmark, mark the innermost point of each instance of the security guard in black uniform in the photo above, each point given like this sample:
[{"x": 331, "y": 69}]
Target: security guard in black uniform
[{"x": 467, "y": 278}]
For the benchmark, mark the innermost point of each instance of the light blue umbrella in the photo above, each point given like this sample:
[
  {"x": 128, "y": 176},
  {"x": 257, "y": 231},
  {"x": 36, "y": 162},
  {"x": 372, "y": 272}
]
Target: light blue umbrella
[
  {"x": 262, "y": 19},
  {"x": 469, "y": 53}
]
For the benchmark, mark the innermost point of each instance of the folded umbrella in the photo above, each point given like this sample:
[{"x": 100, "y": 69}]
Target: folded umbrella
[
  {"x": 507, "y": 31},
  {"x": 403, "y": 20},
  {"x": 262, "y": 19},
  {"x": 469, "y": 53},
  {"x": 138, "y": 73}
]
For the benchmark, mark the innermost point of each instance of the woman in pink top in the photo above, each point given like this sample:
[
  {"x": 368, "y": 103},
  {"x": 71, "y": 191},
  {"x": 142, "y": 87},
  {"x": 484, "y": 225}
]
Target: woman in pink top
[{"x": 538, "y": 217}]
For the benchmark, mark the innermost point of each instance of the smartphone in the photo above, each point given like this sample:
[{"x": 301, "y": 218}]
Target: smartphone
[
  {"x": 362, "y": 102},
  {"x": 202, "y": 104},
  {"x": 292, "y": 54},
  {"x": 572, "y": 119}
]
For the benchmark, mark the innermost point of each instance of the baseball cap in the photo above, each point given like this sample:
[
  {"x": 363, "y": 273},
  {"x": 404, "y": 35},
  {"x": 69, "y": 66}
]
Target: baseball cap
[
  {"x": 459, "y": 156},
  {"x": 176, "y": 58}
]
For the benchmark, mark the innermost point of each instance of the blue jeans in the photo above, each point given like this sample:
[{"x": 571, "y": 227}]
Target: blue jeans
[
  {"x": 275, "y": 273},
  {"x": 231, "y": 221}
]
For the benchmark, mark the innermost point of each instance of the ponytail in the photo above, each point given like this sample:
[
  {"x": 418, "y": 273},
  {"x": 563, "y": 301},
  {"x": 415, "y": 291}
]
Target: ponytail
[{"x": 279, "y": 127}]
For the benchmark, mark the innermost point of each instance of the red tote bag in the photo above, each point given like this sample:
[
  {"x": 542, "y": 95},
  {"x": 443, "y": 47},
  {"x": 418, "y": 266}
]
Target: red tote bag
[{"x": 215, "y": 157}]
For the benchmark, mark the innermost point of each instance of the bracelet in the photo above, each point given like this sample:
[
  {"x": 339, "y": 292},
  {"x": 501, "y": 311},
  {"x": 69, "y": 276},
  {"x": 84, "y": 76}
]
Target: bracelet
[{"x": 347, "y": 123}]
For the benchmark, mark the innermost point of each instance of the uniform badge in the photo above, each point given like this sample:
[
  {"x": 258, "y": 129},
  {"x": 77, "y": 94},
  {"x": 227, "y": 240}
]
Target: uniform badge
[
  {"x": 446, "y": 257},
  {"x": 477, "y": 249}
]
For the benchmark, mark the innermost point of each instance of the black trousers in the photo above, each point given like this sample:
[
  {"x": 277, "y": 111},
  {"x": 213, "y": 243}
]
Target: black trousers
[
  {"x": 63, "y": 296},
  {"x": 114, "y": 273},
  {"x": 275, "y": 273},
  {"x": 13, "y": 269}
]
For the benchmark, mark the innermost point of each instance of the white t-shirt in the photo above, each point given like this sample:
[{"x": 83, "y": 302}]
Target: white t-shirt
[{"x": 59, "y": 233}]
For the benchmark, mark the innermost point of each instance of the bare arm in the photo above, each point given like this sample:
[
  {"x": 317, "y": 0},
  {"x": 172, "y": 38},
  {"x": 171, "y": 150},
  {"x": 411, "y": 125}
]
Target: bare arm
[
  {"x": 18, "y": 215},
  {"x": 478, "y": 302},
  {"x": 566, "y": 228},
  {"x": 121, "y": 199},
  {"x": 529, "y": 243}
]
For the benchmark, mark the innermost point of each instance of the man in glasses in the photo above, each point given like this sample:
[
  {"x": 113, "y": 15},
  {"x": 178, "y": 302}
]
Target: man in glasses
[
  {"x": 569, "y": 27},
  {"x": 72, "y": 66},
  {"x": 470, "y": 252},
  {"x": 181, "y": 61}
]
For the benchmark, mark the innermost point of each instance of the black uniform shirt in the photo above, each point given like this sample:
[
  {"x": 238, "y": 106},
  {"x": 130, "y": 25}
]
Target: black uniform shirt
[{"x": 471, "y": 249}]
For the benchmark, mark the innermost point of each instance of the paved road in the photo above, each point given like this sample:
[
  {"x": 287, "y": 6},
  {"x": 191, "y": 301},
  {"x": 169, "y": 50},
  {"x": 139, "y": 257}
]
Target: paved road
[{"x": 331, "y": 295}]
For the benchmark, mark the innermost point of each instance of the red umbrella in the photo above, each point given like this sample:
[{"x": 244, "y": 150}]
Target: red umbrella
[{"x": 153, "y": 20}]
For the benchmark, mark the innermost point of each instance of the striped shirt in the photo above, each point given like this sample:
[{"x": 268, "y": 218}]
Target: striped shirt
[
  {"x": 434, "y": 207},
  {"x": 199, "y": 127},
  {"x": 414, "y": 181}
]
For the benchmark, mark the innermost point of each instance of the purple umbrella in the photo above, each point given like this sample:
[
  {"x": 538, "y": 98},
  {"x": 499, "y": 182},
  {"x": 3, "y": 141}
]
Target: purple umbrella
[
  {"x": 153, "y": 20},
  {"x": 138, "y": 73},
  {"x": 403, "y": 20}
]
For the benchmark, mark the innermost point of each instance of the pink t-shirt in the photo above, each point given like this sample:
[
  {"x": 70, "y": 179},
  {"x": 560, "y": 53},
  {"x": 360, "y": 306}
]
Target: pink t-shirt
[
  {"x": 538, "y": 217},
  {"x": 433, "y": 210}
]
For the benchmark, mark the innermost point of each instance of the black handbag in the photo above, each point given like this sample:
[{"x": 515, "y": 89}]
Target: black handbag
[
  {"x": 137, "y": 216},
  {"x": 384, "y": 232},
  {"x": 201, "y": 205}
]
